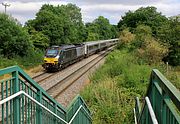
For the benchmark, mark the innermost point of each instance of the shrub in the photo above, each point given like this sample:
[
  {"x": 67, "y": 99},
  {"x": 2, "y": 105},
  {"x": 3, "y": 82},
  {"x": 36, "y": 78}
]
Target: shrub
[
  {"x": 152, "y": 51},
  {"x": 14, "y": 39},
  {"x": 30, "y": 60},
  {"x": 113, "y": 88},
  {"x": 126, "y": 38}
]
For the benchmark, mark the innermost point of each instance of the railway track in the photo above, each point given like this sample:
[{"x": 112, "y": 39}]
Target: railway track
[
  {"x": 64, "y": 83},
  {"x": 57, "y": 89},
  {"x": 44, "y": 76}
]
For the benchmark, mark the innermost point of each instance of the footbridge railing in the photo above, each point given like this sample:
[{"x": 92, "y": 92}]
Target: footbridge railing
[
  {"x": 161, "y": 104},
  {"x": 22, "y": 100}
]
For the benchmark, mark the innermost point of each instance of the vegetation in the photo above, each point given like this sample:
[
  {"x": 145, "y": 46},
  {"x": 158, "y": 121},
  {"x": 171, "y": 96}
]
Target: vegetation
[
  {"x": 114, "y": 86},
  {"x": 143, "y": 45},
  {"x": 16, "y": 46},
  {"x": 14, "y": 39},
  {"x": 146, "y": 38},
  {"x": 100, "y": 29},
  {"x": 53, "y": 25},
  {"x": 153, "y": 23},
  {"x": 63, "y": 24},
  {"x": 28, "y": 61}
]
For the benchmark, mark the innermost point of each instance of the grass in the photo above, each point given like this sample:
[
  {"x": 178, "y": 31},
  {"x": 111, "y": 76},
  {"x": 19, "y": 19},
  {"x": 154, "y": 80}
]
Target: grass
[
  {"x": 25, "y": 62},
  {"x": 114, "y": 86}
]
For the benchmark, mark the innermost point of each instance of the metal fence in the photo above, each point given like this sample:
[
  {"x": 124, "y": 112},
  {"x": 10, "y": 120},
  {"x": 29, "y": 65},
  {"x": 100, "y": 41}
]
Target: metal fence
[
  {"x": 164, "y": 99},
  {"x": 24, "y": 101}
]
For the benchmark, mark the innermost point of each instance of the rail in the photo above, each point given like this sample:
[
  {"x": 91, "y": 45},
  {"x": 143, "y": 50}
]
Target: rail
[
  {"x": 37, "y": 106},
  {"x": 165, "y": 101}
]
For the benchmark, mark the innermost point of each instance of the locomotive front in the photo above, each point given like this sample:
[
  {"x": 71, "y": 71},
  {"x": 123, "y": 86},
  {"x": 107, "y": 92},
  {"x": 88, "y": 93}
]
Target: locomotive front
[{"x": 51, "y": 58}]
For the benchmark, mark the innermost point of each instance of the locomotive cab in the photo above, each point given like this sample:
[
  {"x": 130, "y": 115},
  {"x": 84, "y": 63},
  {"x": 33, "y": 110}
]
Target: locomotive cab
[{"x": 51, "y": 58}]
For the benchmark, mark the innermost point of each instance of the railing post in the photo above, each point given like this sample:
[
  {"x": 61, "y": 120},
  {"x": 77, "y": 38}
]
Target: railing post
[
  {"x": 55, "y": 111},
  {"x": 164, "y": 109},
  {"x": 39, "y": 110},
  {"x": 16, "y": 101}
]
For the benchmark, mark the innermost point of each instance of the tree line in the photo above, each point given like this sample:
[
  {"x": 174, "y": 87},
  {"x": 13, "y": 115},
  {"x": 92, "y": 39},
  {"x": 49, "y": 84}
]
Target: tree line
[
  {"x": 154, "y": 36},
  {"x": 55, "y": 25}
]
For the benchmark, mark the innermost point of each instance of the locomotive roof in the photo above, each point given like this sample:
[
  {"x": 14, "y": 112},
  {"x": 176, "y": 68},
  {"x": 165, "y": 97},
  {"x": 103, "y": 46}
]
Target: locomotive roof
[{"x": 66, "y": 46}]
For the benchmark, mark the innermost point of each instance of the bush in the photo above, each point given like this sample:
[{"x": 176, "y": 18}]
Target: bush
[
  {"x": 126, "y": 38},
  {"x": 14, "y": 39},
  {"x": 113, "y": 88},
  {"x": 152, "y": 51},
  {"x": 31, "y": 60}
]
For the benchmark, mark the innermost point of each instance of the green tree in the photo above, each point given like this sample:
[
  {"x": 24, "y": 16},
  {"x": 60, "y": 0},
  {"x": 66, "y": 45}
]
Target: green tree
[
  {"x": 101, "y": 29},
  {"x": 170, "y": 33},
  {"x": 14, "y": 39},
  {"x": 77, "y": 29},
  {"x": 61, "y": 24},
  {"x": 142, "y": 33},
  {"x": 92, "y": 30},
  {"x": 114, "y": 31},
  {"x": 38, "y": 39},
  {"x": 104, "y": 27},
  {"x": 50, "y": 25},
  {"x": 146, "y": 16}
]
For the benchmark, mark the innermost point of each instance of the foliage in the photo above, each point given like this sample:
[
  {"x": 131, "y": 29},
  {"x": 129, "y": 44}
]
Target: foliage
[
  {"x": 92, "y": 36},
  {"x": 14, "y": 39},
  {"x": 38, "y": 39},
  {"x": 113, "y": 88},
  {"x": 146, "y": 16},
  {"x": 61, "y": 24},
  {"x": 146, "y": 23},
  {"x": 101, "y": 29},
  {"x": 147, "y": 48},
  {"x": 142, "y": 32},
  {"x": 31, "y": 60},
  {"x": 152, "y": 51},
  {"x": 170, "y": 33},
  {"x": 126, "y": 38}
]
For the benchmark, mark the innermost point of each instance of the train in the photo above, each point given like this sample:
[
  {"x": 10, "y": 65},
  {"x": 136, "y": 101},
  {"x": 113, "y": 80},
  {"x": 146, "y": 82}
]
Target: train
[{"x": 59, "y": 57}]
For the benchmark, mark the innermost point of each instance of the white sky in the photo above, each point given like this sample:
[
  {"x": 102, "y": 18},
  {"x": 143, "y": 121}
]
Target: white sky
[{"x": 91, "y": 9}]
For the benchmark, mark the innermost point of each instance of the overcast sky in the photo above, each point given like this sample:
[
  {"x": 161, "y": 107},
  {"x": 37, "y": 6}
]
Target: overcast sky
[{"x": 24, "y": 10}]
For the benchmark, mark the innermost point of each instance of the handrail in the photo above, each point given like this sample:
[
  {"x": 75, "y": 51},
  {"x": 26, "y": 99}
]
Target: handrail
[
  {"x": 37, "y": 94},
  {"x": 31, "y": 81},
  {"x": 163, "y": 99},
  {"x": 22, "y": 92},
  {"x": 151, "y": 111},
  {"x": 77, "y": 113},
  {"x": 135, "y": 118},
  {"x": 165, "y": 84},
  {"x": 74, "y": 100}
]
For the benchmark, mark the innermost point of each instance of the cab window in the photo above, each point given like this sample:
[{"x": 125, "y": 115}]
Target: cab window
[{"x": 52, "y": 52}]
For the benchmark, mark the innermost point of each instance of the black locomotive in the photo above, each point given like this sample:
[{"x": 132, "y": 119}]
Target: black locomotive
[{"x": 58, "y": 57}]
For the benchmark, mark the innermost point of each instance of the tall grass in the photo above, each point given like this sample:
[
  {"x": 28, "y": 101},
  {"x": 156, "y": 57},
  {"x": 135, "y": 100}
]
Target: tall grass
[
  {"x": 114, "y": 87},
  {"x": 29, "y": 61}
]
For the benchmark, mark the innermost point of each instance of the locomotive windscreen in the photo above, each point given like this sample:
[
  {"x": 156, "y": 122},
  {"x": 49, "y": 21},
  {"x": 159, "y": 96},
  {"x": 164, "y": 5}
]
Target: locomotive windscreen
[{"x": 52, "y": 52}]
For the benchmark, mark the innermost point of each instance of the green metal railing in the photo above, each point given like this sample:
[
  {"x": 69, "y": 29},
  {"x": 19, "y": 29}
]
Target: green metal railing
[
  {"x": 24, "y": 101},
  {"x": 164, "y": 99}
]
